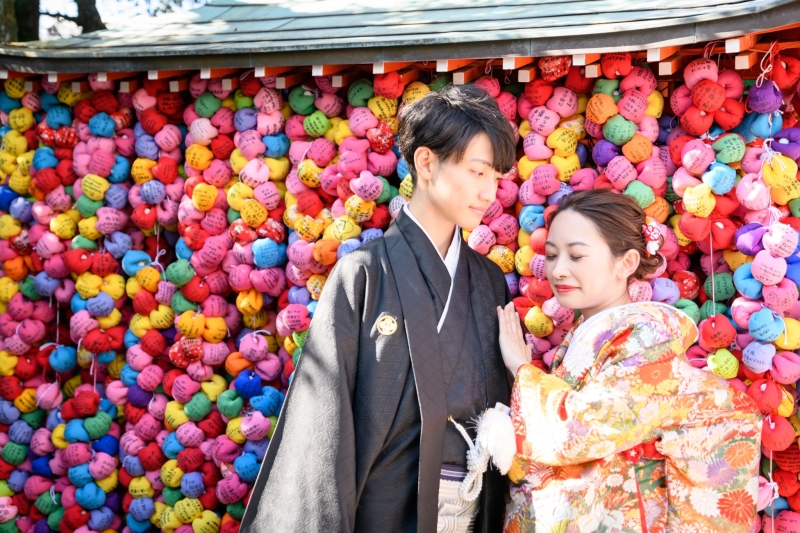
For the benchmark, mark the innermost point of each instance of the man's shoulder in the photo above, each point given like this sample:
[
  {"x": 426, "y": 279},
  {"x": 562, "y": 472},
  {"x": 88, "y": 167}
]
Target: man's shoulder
[
  {"x": 367, "y": 256},
  {"x": 494, "y": 272}
]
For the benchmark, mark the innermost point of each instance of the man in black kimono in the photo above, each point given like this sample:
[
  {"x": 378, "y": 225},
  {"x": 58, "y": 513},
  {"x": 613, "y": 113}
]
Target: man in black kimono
[{"x": 404, "y": 336}]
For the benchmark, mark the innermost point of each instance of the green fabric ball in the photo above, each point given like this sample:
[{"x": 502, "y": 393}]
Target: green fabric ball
[
  {"x": 609, "y": 87},
  {"x": 360, "y": 92},
  {"x": 230, "y": 403},
  {"x": 198, "y": 407},
  {"x": 9, "y": 527},
  {"x": 14, "y": 453},
  {"x": 619, "y": 130},
  {"x": 207, "y": 105},
  {"x": 690, "y": 308},
  {"x": 233, "y": 215},
  {"x": 180, "y": 272},
  {"x": 27, "y": 289},
  {"x": 54, "y": 519},
  {"x": 35, "y": 419},
  {"x": 316, "y": 124},
  {"x": 729, "y": 149},
  {"x": 241, "y": 100},
  {"x": 182, "y": 171},
  {"x": 641, "y": 192},
  {"x": 79, "y": 241},
  {"x": 273, "y": 422},
  {"x": 180, "y": 304},
  {"x": 172, "y": 495},
  {"x": 440, "y": 83},
  {"x": 45, "y": 502},
  {"x": 723, "y": 286},
  {"x": 299, "y": 337},
  {"x": 88, "y": 207},
  {"x": 301, "y": 100},
  {"x": 670, "y": 195},
  {"x": 98, "y": 425},
  {"x": 794, "y": 207},
  {"x": 236, "y": 510},
  {"x": 514, "y": 88},
  {"x": 706, "y": 310},
  {"x": 296, "y": 356},
  {"x": 386, "y": 192}
]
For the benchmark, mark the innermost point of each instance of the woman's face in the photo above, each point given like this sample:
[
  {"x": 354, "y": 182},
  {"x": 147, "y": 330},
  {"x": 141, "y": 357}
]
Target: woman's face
[{"x": 581, "y": 269}]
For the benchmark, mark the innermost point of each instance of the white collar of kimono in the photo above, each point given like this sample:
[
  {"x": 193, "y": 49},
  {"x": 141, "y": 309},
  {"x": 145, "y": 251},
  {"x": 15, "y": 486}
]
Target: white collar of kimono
[{"x": 450, "y": 260}]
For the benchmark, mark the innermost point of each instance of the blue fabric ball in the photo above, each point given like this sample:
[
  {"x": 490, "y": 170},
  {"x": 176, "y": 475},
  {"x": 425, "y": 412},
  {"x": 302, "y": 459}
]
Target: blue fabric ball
[
  {"x": 192, "y": 484},
  {"x": 58, "y": 116},
  {"x": 106, "y": 444},
  {"x": 90, "y": 496},
  {"x": 6, "y": 197},
  {"x": 79, "y": 475},
  {"x": 133, "y": 466},
  {"x": 63, "y": 358},
  {"x": 41, "y": 467},
  {"x": 102, "y": 125},
  {"x": 20, "y": 432},
  {"x": 101, "y": 519},
  {"x": 75, "y": 432},
  {"x": 257, "y": 447},
  {"x": 247, "y": 467},
  {"x": 172, "y": 447},
  {"x": 16, "y": 481},
  {"x": 247, "y": 384},
  {"x": 142, "y": 509}
]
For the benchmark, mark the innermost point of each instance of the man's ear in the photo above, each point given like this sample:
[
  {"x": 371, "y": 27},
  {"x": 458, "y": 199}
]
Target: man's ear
[{"x": 424, "y": 163}]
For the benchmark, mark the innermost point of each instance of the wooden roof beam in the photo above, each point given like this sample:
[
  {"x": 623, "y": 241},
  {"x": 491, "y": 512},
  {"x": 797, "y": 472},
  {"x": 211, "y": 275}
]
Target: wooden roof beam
[
  {"x": 55, "y": 77},
  {"x": 129, "y": 86},
  {"x": 746, "y": 60},
  {"x": 113, "y": 76},
  {"x": 327, "y": 70},
  {"x": 515, "y": 62},
  {"x": 165, "y": 74},
  {"x": 393, "y": 66},
  {"x": 527, "y": 73},
  {"x": 449, "y": 65},
  {"x": 291, "y": 79},
  {"x": 179, "y": 84},
  {"x": 11, "y": 74},
  {"x": 654, "y": 55},
  {"x": 209, "y": 73},
  {"x": 409, "y": 74},
  {"x": 345, "y": 78},
  {"x": 582, "y": 60},
  {"x": 671, "y": 65},
  {"x": 740, "y": 44},
  {"x": 263, "y": 72},
  {"x": 467, "y": 74},
  {"x": 80, "y": 86}
]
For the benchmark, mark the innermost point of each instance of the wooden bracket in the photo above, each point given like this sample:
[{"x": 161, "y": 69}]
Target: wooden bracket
[
  {"x": 327, "y": 70},
  {"x": 654, "y": 55},
  {"x": 515, "y": 62},
  {"x": 582, "y": 60},
  {"x": 392, "y": 66},
  {"x": 467, "y": 74},
  {"x": 208, "y": 73},
  {"x": 449, "y": 65},
  {"x": 263, "y": 72}
]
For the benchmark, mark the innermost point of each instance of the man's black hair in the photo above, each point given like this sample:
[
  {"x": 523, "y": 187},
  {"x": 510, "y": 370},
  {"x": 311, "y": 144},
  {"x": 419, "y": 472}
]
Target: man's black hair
[{"x": 448, "y": 120}]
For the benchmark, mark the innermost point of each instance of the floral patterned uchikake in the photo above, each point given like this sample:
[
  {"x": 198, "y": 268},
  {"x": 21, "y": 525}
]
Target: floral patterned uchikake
[{"x": 627, "y": 436}]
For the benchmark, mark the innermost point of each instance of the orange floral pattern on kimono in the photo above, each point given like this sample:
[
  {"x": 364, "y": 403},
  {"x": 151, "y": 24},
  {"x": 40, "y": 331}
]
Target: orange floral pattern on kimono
[{"x": 625, "y": 435}]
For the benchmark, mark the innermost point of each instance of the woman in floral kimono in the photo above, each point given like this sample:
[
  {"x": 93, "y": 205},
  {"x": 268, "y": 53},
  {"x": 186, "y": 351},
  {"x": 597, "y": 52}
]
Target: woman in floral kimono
[{"x": 624, "y": 435}]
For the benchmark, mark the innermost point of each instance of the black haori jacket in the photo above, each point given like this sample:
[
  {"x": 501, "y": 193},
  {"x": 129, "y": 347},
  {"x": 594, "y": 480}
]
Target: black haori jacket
[{"x": 334, "y": 447}]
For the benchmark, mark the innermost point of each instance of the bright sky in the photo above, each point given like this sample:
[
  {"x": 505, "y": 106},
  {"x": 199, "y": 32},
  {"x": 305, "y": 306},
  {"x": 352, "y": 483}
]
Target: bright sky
[{"x": 111, "y": 11}]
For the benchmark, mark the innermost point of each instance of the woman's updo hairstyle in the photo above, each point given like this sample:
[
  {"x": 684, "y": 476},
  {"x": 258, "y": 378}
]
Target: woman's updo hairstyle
[{"x": 618, "y": 219}]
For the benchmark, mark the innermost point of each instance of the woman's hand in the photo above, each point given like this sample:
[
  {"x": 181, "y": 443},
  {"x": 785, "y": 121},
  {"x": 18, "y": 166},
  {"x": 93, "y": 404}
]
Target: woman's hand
[{"x": 512, "y": 342}]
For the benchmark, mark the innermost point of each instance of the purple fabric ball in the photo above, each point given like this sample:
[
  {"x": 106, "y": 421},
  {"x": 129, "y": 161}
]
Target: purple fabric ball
[
  {"x": 604, "y": 151},
  {"x": 748, "y": 238},
  {"x": 41, "y": 526},
  {"x": 139, "y": 397},
  {"x": 113, "y": 501},
  {"x": 765, "y": 99},
  {"x": 787, "y": 142}
]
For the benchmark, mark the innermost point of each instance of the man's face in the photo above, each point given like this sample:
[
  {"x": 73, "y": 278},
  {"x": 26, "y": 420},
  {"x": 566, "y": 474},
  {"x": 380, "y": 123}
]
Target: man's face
[{"x": 463, "y": 191}]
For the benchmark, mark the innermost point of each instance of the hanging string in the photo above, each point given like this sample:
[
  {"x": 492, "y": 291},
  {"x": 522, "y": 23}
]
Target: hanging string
[
  {"x": 766, "y": 63},
  {"x": 488, "y": 68},
  {"x": 261, "y": 331},
  {"x": 507, "y": 79},
  {"x": 47, "y": 390},
  {"x": 157, "y": 262},
  {"x": 711, "y": 268}
]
